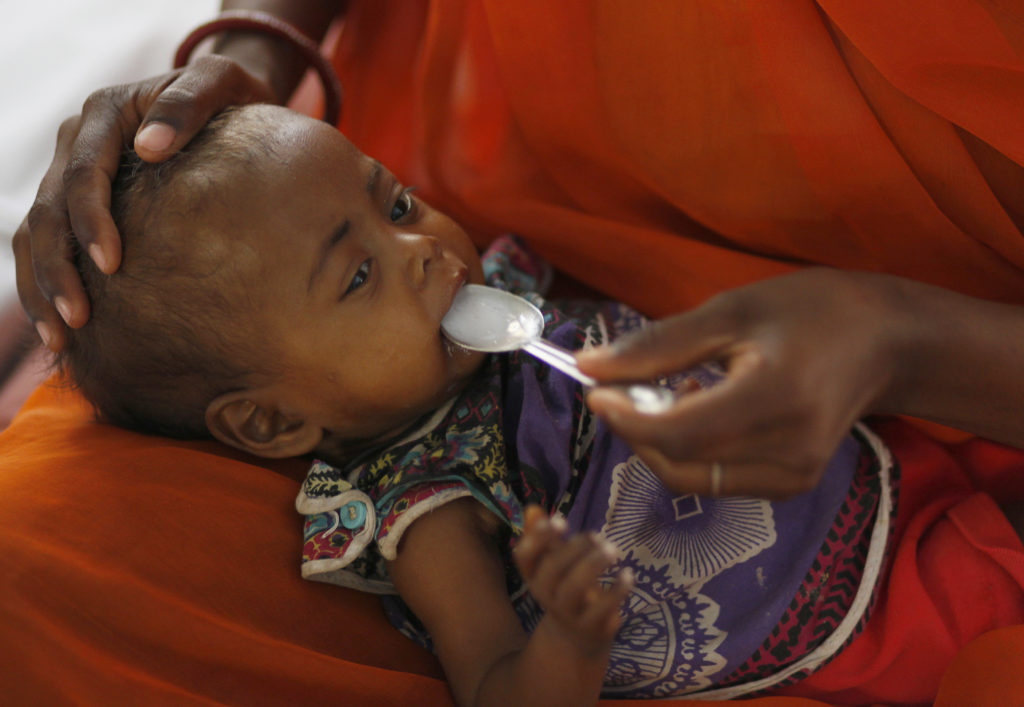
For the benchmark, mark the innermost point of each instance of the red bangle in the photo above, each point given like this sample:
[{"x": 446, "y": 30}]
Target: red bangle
[{"x": 256, "y": 21}]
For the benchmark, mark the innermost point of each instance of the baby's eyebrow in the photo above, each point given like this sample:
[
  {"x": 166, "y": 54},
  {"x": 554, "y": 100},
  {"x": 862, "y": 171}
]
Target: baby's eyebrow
[
  {"x": 325, "y": 249},
  {"x": 371, "y": 181},
  {"x": 335, "y": 237}
]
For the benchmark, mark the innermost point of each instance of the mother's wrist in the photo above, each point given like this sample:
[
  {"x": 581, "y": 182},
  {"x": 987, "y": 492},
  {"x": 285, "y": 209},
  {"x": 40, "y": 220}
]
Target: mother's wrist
[
  {"x": 268, "y": 59},
  {"x": 271, "y": 50},
  {"x": 938, "y": 349},
  {"x": 900, "y": 339}
]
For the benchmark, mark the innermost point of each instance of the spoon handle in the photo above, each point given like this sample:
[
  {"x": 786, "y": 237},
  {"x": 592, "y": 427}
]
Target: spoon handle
[
  {"x": 557, "y": 357},
  {"x": 646, "y": 397}
]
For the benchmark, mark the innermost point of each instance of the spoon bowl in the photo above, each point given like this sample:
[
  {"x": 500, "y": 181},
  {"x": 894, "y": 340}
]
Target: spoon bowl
[
  {"x": 491, "y": 320},
  {"x": 494, "y": 321}
]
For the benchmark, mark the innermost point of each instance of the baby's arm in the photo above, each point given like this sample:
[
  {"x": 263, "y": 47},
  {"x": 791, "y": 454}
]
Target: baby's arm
[{"x": 449, "y": 572}]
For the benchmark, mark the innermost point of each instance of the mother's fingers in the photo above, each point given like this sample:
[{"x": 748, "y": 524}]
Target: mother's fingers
[
  {"x": 664, "y": 346},
  {"x": 764, "y": 480},
  {"x": 44, "y": 315},
  {"x": 696, "y": 421},
  {"x": 91, "y": 165},
  {"x": 771, "y": 443},
  {"x": 47, "y": 280},
  {"x": 185, "y": 102}
]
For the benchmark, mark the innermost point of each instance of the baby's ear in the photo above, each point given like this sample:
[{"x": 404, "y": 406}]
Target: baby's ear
[{"x": 248, "y": 420}]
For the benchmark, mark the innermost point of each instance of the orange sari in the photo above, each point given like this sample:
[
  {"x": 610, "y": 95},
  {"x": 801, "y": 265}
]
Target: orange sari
[{"x": 662, "y": 152}]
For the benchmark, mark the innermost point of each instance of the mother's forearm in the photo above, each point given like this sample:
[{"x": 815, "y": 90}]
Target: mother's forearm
[
  {"x": 271, "y": 59},
  {"x": 959, "y": 360}
]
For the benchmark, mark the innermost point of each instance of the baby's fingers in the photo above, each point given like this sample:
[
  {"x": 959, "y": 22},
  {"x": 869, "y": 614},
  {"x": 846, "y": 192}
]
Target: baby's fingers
[
  {"x": 540, "y": 537},
  {"x": 602, "y": 616},
  {"x": 553, "y": 584},
  {"x": 579, "y": 583}
]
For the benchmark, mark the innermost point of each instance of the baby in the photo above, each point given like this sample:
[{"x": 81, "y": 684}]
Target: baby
[{"x": 283, "y": 293}]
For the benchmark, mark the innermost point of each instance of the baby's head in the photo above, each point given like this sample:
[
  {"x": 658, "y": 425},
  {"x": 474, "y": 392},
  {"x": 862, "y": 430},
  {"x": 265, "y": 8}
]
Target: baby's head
[{"x": 279, "y": 290}]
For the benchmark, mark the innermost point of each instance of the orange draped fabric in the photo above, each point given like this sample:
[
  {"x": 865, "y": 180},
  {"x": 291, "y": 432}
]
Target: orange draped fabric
[
  {"x": 143, "y": 571},
  {"x": 662, "y": 152},
  {"x": 659, "y": 152}
]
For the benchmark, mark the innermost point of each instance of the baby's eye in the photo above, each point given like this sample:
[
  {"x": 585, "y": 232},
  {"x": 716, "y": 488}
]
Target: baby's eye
[
  {"x": 403, "y": 206},
  {"x": 360, "y": 278}
]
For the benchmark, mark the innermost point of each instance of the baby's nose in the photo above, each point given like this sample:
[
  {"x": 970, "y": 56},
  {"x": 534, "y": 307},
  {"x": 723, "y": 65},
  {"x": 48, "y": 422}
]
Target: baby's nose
[{"x": 421, "y": 250}]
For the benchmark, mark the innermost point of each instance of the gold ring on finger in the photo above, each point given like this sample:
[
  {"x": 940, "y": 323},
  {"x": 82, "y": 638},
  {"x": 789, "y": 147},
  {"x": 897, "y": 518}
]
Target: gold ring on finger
[{"x": 716, "y": 478}]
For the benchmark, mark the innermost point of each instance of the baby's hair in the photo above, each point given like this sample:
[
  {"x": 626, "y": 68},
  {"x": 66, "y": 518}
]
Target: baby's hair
[{"x": 163, "y": 340}]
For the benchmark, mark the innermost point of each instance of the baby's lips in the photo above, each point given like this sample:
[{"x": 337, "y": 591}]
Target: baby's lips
[{"x": 461, "y": 275}]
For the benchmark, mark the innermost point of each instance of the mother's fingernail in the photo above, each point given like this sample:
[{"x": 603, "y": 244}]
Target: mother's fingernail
[
  {"x": 595, "y": 354},
  {"x": 98, "y": 257},
  {"x": 45, "y": 333},
  {"x": 64, "y": 307},
  {"x": 155, "y": 136},
  {"x": 603, "y": 402}
]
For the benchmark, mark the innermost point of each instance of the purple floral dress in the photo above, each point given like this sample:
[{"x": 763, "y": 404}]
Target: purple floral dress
[{"x": 732, "y": 595}]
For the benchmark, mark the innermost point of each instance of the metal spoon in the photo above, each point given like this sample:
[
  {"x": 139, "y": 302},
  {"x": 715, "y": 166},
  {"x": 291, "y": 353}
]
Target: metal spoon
[{"x": 491, "y": 320}]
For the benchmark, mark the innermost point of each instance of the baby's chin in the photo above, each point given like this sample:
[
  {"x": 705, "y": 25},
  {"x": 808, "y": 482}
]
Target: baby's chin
[
  {"x": 463, "y": 364},
  {"x": 340, "y": 449}
]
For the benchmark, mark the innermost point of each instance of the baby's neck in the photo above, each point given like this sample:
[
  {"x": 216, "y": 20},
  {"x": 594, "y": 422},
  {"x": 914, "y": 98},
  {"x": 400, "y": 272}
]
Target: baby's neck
[{"x": 342, "y": 452}]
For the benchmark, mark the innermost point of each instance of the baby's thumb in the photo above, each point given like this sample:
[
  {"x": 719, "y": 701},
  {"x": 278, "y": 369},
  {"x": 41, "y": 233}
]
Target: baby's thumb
[{"x": 533, "y": 515}]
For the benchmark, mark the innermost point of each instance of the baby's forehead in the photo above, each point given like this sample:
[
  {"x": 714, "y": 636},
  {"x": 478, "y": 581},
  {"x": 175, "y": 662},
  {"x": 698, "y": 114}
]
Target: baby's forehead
[
  {"x": 270, "y": 148},
  {"x": 256, "y": 168}
]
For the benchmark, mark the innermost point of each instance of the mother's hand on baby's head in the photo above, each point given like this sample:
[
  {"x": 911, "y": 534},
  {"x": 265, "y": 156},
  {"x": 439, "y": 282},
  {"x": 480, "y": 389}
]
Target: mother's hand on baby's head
[{"x": 160, "y": 115}]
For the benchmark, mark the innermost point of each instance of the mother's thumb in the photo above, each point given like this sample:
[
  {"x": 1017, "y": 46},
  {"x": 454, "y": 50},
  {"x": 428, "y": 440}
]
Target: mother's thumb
[
  {"x": 661, "y": 347},
  {"x": 154, "y": 139}
]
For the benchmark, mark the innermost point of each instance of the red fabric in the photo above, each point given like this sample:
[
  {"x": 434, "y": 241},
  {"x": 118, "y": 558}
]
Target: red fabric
[
  {"x": 659, "y": 152},
  {"x": 957, "y": 572}
]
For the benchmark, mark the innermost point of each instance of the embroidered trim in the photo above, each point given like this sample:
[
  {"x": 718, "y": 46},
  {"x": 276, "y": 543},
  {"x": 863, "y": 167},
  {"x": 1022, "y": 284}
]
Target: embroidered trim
[{"x": 389, "y": 543}]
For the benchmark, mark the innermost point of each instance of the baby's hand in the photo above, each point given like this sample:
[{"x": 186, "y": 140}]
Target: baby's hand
[{"x": 563, "y": 573}]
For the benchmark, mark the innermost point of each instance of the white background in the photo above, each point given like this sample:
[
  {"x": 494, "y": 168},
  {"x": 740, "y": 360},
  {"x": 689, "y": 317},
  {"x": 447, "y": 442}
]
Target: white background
[{"x": 54, "y": 53}]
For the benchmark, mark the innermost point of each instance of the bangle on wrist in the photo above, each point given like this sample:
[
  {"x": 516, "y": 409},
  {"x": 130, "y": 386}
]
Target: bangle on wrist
[{"x": 265, "y": 23}]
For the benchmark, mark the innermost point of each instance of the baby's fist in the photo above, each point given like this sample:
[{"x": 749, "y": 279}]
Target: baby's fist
[{"x": 564, "y": 574}]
